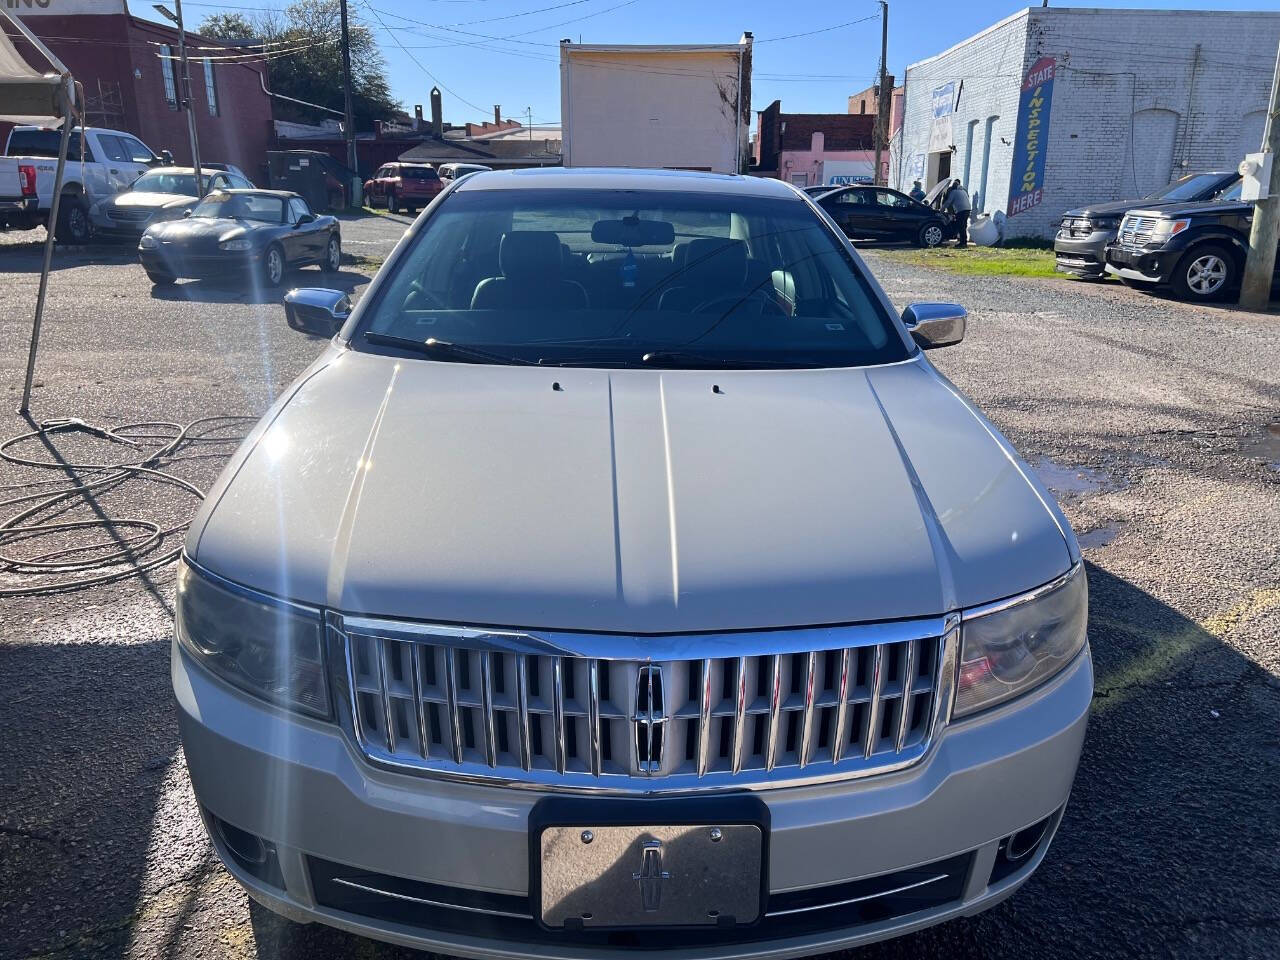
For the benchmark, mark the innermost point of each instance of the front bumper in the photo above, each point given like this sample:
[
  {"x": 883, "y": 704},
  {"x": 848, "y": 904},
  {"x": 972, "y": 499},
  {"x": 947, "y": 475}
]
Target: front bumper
[
  {"x": 301, "y": 785},
  {"x": 1082, "y": 256},
  {"x": 1147, "y": 265},
  {"x": 196, "y": 267}
]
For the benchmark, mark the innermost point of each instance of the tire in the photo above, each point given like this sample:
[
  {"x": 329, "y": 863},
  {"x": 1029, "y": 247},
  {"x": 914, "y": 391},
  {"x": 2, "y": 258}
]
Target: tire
[
  {"x": 73, "y": 221},
  {"x": 333, "y": 254},
  {"x": 1205, "y": 273},
  {"x": 393, "y": 204},
  {"x": 161, "y": 279},
  {"x": 273, "y": 266},
  {"x": 931, "y": 235}
]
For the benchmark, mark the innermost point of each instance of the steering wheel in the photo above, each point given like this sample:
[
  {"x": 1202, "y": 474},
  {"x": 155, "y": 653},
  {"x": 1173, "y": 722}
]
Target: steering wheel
[{"x": 420, "y": 298}]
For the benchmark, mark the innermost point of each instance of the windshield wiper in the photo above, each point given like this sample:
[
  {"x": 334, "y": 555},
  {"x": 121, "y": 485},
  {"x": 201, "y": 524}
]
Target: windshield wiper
[
  {"x": 681, "y": 359},
  {"x": 433, "y": 347}
]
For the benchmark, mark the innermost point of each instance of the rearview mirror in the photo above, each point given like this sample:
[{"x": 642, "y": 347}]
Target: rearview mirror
[
  {"x": 934, "y": 325},
  {"x": 633, "y": 232},
  {"x": 316, "y": 309}
]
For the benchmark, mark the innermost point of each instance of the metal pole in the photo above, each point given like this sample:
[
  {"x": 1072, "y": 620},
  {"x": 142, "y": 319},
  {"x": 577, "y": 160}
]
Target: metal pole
[
  {"x": 349, "y": 117},
  {"x": 186, "y": 99},
  {"x": 69, "y": 93},
  {"x": 1260, "y": 263},
  {"x": 882, "y": 97}
]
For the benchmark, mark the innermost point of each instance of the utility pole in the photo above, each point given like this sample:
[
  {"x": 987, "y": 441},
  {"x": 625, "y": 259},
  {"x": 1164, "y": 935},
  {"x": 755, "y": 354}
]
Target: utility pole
[
  {"x": 528, "y": 112},
  {"x": 882, "y": 96},
  {"x": 176, "y": 17},
  {"x": 349, "y": 128},
  {"x": 1255, "y": 288}
]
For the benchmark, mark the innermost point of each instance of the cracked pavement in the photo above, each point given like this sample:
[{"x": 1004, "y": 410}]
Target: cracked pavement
[{"x": 1150, "y": 416}]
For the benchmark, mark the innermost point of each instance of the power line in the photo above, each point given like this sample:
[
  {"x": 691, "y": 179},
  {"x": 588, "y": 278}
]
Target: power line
[{"x": 810, "y": 33}]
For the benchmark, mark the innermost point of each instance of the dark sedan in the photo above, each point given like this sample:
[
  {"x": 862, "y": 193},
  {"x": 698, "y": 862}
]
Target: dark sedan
[
  {"x": 1081, "y": 244},
  {"x": 260, "y": 232},
  {"x": 878, "y": 213}
]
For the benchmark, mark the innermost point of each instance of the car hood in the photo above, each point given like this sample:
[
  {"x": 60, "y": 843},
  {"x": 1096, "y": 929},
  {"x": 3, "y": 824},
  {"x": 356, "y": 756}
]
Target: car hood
[
  {"x": 145, "y": 199},
  {"x": 200, "y": 228},
  {"x": 628, "y": 501},
  {"x": 1191, "y": 208},
  {"x": 1115, "y": 208}
]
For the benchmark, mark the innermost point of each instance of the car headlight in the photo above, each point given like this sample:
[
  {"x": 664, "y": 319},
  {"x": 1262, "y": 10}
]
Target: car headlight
[
  {"x": 240, "y": 243},
  {"x": 270, "y": 648},
  {"x": 1019, "y": 644},
  {"x": 1105, "y": 223},
  {"x": 148, "y": 242},
  {"x": 1168, "y": 228}
]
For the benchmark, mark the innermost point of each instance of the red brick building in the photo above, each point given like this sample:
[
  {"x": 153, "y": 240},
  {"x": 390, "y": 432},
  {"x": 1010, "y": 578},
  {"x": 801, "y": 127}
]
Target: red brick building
[{"x": 128, "y": 86}]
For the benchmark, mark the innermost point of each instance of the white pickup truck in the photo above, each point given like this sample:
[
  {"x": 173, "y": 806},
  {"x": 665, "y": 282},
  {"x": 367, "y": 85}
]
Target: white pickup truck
[{"x": 100, "y": 163}]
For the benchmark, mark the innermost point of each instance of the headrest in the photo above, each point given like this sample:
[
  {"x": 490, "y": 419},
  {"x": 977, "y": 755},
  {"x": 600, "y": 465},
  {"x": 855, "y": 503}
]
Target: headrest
[
  {"x": 530, "y": 255},
  {"x": 712, "y": 261}
]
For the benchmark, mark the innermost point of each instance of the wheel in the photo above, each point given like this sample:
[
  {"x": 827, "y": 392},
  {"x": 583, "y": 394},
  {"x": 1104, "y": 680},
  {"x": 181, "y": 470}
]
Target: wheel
[
  {"x": 393, "y": 204},
  {"x": 273, "y": 266},
  {"x": 1205, "y": 273},
  {"x": 333, "y": 254},
  {"x": 73, "y": 221},
  {"x": 161, "y": 279},
  {"x": 930, "y": 235}
]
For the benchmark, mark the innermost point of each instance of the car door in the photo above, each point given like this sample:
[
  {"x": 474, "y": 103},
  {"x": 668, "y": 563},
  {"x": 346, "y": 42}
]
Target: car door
[
  {"x": 379, "y": 185},
  {"x": 901, "y": 216},
  {"x": 139, "y": 160},
  {"x": 840, "y": 206},
  {"x": 306, "y": 240},
  {"x": 114, "y": 160}
]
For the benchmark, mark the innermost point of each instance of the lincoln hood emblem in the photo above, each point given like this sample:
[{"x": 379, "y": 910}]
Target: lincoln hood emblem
[{"x": 650, "y": 719}]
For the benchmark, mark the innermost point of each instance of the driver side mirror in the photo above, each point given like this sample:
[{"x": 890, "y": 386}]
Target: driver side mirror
[
  {"x": 187, "y": 212},
  {"x": 316, "y": 309},
  {"x": 934, "y": 325}
]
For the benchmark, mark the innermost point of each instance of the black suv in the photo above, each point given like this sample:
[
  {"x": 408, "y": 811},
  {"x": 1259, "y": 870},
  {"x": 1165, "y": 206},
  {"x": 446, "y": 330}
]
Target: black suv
[
  {"x": 1198, "y": 249},
  {"x": 1081, "y": 243}
]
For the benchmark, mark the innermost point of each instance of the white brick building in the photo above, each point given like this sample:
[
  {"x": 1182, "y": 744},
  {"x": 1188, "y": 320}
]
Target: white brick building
[{"x": 1139, "y": 97}]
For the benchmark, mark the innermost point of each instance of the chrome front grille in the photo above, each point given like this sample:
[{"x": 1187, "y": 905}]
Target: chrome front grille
[
  {"x": 822, "y": 703},
  {"x": 1135, "y": 232},
  {"x": 130, "y": 214}
]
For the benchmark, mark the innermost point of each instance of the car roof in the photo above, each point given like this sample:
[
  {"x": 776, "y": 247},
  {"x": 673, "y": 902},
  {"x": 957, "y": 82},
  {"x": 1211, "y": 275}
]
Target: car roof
[{"x": 614, "y": 178}]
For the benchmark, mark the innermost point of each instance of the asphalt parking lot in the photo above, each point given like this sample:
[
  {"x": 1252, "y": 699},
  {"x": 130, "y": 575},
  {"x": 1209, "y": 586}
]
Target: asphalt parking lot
[{"x": 1152, "y": 421}]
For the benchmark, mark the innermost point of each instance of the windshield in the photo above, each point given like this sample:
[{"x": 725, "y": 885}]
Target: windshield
[
  {"x": 1191, "y": 187},
  {"x": 630, "y": 278},
  {"x": 183, "y": 183},
  {"x": 241, "y": 206},
  {"x": 1230, "y": 193}
]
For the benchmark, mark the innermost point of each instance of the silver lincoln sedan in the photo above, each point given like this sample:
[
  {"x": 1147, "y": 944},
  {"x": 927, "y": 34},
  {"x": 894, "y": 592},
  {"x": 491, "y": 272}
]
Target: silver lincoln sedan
[{"x": 623, "y": 576}]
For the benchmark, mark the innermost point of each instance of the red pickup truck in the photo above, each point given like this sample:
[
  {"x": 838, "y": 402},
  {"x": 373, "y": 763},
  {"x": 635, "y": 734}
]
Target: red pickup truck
[{"x": 403, "y": 186}]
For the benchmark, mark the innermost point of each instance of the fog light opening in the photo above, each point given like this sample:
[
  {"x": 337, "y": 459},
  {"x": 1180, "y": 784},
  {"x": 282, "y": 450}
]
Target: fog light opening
[
  {"x": 242, "y": 844},
  {"x": 1025, "y": 842}
]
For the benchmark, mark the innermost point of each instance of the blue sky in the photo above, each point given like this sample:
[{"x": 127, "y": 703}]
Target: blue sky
[{"x": 505, "y": 51}]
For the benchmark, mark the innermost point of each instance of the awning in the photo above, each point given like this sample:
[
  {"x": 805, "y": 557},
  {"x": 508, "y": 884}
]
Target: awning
[{"x": 28, "y": 95}]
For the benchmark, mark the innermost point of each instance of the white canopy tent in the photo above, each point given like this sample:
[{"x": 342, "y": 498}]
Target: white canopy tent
[{"x": 29, "y": 96}]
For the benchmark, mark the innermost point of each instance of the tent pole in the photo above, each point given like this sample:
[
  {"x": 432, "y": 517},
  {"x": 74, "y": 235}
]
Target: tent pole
[{"x": 48, "y": 248}]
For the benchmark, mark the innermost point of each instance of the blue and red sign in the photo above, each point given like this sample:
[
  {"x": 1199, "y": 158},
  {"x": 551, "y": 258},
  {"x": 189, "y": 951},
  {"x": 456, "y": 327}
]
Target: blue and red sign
[{"x": 1027, "y": 188}]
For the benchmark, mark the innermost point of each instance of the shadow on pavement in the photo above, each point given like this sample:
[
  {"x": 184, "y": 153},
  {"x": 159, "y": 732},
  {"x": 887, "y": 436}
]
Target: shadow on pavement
[{"x": 244, "y": 289}]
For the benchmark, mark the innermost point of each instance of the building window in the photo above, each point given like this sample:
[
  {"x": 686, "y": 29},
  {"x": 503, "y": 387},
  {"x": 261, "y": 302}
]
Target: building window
[
  {"x": 166, "y": 71},
  {"x": 210, "y": 89}
]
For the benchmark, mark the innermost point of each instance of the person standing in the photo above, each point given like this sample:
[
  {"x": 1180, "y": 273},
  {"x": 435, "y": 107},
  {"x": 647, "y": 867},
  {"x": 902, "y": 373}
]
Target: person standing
[
  {"x": 917, "y": 191},
  {"x": 958, "y": 204}
]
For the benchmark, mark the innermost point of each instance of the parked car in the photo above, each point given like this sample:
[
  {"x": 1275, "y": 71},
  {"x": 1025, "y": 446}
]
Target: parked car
[
  {"x": 452, "y": 171},
  {"x": 1196, "y": 249},
  {"x": 260, "y": 233},
  {"x": 622, "y": 573},
  {"x": 403, "y": 186},
  {"x": 878, "y": 213},
  {"x": 228, "y": 168},
  {"x": 1080, "y": 247},
  {"x": 101, "y": 163},
  {"x": 165, "y": 193},
  {"x": 18, "y": 198},
  {"x": 819, "y": 189}
]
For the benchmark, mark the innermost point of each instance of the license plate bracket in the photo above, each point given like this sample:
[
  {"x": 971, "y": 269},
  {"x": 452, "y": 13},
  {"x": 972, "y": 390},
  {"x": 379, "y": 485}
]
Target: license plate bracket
[{"x": 649, "y": 863}]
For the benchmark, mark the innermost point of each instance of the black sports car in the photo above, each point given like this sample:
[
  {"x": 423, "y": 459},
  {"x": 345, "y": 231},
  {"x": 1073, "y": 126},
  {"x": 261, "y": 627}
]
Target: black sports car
[{"x": 261, "y": 232}]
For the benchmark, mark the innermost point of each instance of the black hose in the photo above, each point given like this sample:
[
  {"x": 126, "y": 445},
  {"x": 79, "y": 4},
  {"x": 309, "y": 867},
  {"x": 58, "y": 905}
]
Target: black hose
[{"x": 139, "y": 542}]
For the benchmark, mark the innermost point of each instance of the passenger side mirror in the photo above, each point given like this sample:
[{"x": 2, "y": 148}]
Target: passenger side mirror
[
  {"x": 317, "y": 309},
  {"x": 305, "y": 218},
  {"x": 187, "y": 212},
  {"x": 166, "y": 158},
  {"x": 934, "y": 325}
]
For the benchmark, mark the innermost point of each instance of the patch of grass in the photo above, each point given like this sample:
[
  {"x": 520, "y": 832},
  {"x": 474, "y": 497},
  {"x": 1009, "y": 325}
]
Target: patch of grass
[
  {"x": 1020, "y": 261},
  {"x": 363, "y": 261}
]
